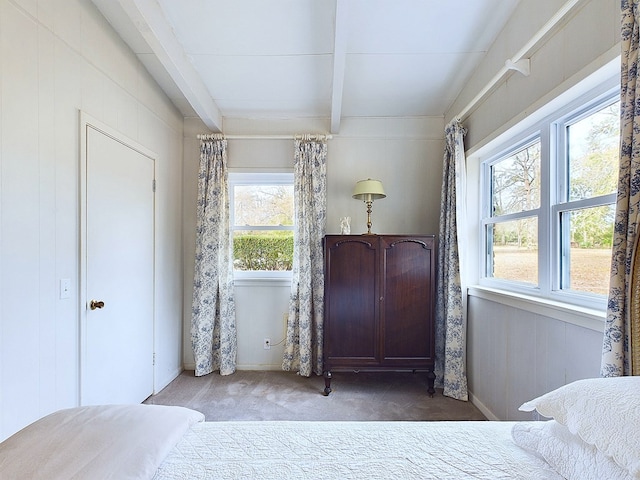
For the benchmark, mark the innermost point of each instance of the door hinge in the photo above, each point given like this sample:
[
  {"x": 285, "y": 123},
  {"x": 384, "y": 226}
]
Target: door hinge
[
  {"x": 154, "y": 359},
  {"x": 153, "y": 185}
]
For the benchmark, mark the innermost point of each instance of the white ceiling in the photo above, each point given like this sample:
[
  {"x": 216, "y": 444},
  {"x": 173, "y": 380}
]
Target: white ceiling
[{"x": 309, "y": 58}]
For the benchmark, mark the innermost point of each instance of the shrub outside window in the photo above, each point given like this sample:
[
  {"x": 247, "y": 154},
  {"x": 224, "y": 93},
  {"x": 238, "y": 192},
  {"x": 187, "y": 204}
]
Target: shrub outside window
[
  {"x": 549, "y": 205},
  {"x": 261, "y": 210}
]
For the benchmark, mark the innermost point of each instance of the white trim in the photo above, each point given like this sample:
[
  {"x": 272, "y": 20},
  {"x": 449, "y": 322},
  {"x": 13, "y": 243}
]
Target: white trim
[
  {"x": 340, "y": 40},
  {"x": 170, "y": 377},
  {"x": 312, "y": 136},
  {"x": 604, "y": 70},
  {"x": 261, "y": 279},
  {"x": 269, "y": 367},
  {"x": 482, "y": 407},
  {"x": 148, "y": 29},
  {"x": 86, "y": 122},
  {"x": 556, "y": 113},
  {"x": 513, "y": 62},
  {"x": 564, "y": 312},
  {"x": 263, "y": 367}
]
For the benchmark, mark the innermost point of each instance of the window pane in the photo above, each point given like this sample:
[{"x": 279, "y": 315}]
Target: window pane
[
  {"x": 262, "y": 250},
  {"x": 513, "y": 250},
  {"x": 594, "y": 145},
  {"x": 515, "y": 182},
  {"x": 588, "y": 233},
  {"x": 263, "y": 205}
]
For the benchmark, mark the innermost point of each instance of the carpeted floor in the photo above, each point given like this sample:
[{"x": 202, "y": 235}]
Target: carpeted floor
[{"x": 277, "y": 395}]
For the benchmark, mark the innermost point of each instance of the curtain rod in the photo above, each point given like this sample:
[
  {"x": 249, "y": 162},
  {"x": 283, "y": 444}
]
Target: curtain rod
[
  {"x": 518, "y": 59},
  {"x": 265, "y": 137}
]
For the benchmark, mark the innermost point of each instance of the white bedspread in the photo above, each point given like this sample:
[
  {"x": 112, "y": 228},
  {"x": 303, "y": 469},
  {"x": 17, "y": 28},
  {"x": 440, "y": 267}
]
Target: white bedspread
[{"x": 351, "y": 450}]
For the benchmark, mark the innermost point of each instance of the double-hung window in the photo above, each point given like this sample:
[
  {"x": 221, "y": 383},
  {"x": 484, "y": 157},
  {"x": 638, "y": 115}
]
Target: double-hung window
[
  {"x": 549, "y": 204},
  {"x": 261, "y": 211}
]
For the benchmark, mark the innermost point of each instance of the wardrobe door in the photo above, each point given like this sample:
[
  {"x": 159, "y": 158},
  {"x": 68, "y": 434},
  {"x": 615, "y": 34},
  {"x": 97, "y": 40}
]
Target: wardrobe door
[
  {"x": 408, "y": 300},
  {"x": 351, "y": 327}
]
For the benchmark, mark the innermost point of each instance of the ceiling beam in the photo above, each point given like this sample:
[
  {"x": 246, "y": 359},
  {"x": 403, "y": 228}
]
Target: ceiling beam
[
  {"x": 339, "y": 59},
  {"x": 149, "y": 21}
]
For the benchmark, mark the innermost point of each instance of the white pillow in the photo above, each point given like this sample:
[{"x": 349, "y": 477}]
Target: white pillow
[
  {"x": 566, "y": 453},
  {"x": 604, "y": 412},
  {"x": 123, "y": 442}
]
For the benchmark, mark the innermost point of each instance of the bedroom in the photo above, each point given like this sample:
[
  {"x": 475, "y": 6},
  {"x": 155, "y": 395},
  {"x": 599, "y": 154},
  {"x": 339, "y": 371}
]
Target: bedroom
[{"x": 59, "y": 57}]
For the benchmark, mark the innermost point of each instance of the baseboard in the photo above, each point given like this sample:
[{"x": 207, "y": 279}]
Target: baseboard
[
  {"x": 192, "y": 367},
  {"x": 260, "y": 367},
  {"x": 482, "y": 407},
  {"x": 167, "y": 380}
]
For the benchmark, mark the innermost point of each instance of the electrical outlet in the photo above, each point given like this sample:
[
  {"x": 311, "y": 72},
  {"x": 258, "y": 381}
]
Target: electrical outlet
[{"x": 266, "y": 344}]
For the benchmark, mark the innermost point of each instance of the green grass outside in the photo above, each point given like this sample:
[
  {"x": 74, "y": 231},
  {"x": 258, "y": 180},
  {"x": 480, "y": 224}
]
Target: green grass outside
[{"x": 590, "y": 267}]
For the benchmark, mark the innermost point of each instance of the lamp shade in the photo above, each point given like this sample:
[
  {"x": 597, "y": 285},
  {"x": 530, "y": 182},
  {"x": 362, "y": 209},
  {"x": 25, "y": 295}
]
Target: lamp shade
[{"x": 369, "y": 190}]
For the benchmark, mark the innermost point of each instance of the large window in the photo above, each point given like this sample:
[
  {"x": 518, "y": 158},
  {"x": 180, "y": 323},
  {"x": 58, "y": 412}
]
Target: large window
[
  {"x": 261, "y": 209},
  {"x": 549, "y": 205}
]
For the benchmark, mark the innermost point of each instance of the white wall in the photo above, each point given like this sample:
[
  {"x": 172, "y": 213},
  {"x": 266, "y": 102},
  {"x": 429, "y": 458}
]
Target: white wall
[
  {"x": 585, "y": 41},
  {"x": 514, "y": 353},
  {"x": 404, "y": 153},
  {"x": 58, "y": 57}
]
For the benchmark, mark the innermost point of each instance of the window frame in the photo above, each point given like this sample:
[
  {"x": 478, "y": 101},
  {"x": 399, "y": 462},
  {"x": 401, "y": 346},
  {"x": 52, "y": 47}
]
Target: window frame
[
  {"x": 551, "y": 132},
  {"x": 487, "y": 205},
  {"x": 243, "y": 178},
  {"x": 562, "y": 203}
]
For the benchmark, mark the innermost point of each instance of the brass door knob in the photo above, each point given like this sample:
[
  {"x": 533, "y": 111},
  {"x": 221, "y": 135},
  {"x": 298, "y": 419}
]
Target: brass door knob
[{"x": 93, "y": 304}]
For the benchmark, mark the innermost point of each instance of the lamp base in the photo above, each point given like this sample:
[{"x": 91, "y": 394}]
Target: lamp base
[{"x": 369, "y": 205}]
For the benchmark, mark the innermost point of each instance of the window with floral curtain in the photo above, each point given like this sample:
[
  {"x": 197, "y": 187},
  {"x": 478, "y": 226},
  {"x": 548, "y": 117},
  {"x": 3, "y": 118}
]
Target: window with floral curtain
[
  {"x": 303, "y": 347},
  {"x": 451, "y": 319},
  {"x": 619, "y": 342},
  {"x": 213, "y": 323}
]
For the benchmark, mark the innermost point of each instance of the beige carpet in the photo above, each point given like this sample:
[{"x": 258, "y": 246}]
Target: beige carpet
[{"x": 277, "y": 395}]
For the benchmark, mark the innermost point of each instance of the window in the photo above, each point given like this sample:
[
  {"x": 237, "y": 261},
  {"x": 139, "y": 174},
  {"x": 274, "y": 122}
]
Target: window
[
  {"x": 549, "y": 205},
  {"x": 512, "y": 229},
  {"x": 261, "y": 210}
]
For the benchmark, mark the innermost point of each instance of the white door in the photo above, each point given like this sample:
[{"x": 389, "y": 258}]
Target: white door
[{"x": 117, "y": 337}]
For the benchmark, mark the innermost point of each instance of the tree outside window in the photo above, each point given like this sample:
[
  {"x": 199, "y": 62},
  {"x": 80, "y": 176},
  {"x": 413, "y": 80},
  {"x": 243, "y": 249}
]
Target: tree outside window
[{"x": 554, "y": 232}]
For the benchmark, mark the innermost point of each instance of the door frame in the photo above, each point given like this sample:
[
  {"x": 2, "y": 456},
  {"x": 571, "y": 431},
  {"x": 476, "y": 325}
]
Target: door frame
[{"x": 86, "y": 122}]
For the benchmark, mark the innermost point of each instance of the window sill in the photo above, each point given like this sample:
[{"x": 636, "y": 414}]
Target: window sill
[
  {"x": 262, "y": 279},
  {"x": 580, "y": 316}
]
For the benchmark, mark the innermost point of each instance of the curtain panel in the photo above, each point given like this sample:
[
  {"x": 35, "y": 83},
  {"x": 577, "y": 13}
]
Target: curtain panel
[
  {"x": 618, "y": 342},
  {"x": 304, "y": 337},
  {"x": 451, "y": 318},
  {"x": 213, "y": 323}
]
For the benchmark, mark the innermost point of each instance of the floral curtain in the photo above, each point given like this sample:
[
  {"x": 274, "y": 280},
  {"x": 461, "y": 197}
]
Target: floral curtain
[
  {"x": 451, "y": 318},
  {"x": 213, "y": 323},
  {"x": 617, "y": 343},
  {"x": 303, "y": 347}
]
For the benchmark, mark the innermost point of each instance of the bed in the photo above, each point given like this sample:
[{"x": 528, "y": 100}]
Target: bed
[{"x": 593, "y": 432}]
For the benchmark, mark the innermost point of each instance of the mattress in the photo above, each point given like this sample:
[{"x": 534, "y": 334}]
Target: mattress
[
  {"x": 591, "y": 435},
  {"x": 351, "y": 450}
]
